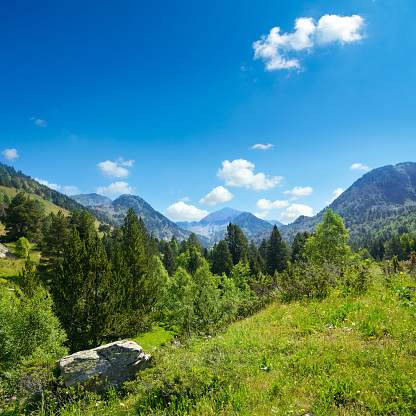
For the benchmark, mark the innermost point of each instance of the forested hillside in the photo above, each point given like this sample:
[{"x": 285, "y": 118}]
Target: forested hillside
[
  {"x": 17, "y": 180},
  {"x": 378, "y": 205}
]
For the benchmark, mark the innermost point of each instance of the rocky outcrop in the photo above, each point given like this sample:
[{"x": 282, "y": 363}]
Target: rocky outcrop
[
  {"x": 4, "y": 252},
  {"x": 104, "y": 367}
]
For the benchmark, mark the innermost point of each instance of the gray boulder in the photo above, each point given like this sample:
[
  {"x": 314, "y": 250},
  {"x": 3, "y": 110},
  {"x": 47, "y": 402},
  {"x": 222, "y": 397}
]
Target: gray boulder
[
  {"x": 103, "y": 367},
  {"x": 4, "y": 252}
]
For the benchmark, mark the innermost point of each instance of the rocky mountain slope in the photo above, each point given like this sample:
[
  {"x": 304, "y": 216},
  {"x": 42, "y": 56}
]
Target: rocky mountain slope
[{"x": 381, "y": 203}]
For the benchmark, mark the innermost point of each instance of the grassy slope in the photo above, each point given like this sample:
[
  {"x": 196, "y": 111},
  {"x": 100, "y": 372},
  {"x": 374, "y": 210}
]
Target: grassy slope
[
  {"x": 344, "y": 355},
  {"x": 10, "y": 268},
  {"x": 49, "y": 206}
]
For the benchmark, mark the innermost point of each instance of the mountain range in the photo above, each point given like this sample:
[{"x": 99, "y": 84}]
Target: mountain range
[
  {"x": 215, "y": 224},
  {"x": 381, "y": 203}
]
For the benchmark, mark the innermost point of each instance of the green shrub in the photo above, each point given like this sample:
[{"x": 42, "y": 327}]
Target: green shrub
[
  {"x": 302, "y": 280},
  {"x": 30, "y": 336},
  {"x": 22, "y": 247}
]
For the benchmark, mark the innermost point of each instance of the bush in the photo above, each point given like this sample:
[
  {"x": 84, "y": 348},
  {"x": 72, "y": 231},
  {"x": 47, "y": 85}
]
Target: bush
[
  {"x": 30, "y": 335},
  {"x": 302, "y": 280},
  {"x": 22, "y": 248}
]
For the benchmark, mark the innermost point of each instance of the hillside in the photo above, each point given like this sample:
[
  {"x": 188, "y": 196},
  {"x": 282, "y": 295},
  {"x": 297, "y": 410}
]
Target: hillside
[
  {"x": 381, "y": 203},
  {"x": 17, "y": 181},
  {"x": 49, "y": 206},
  {"x": 344, "y": 355}
]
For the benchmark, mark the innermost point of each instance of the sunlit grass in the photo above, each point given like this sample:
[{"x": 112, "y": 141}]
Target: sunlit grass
[{"x": 10, "y": 267}]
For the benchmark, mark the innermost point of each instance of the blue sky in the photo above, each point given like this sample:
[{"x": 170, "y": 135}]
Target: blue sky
[{"x": 166, "y": 100}]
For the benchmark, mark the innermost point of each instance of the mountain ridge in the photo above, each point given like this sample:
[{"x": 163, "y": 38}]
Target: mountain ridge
[{"x": 371, "y": 206}]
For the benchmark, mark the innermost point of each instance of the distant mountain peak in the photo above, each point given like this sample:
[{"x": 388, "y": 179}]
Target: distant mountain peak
[
  {"x": 224, "y": 215},
  {"x": 89, "y": 200}
]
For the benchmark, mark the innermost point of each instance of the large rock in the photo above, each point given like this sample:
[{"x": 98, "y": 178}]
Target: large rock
[
  {"x": 4, "y": 252},
  {"x": 103, "y": 367}
]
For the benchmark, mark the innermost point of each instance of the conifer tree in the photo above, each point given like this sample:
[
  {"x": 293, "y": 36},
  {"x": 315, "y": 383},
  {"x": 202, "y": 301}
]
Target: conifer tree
[
  {"x": 263, "y": 249},
  {"x": 139, "y": 290},
  {"x": 174, "y": 245},
  {"x": 28, "y": 279},
  {"x": 80, "y": 291},
  {"x": 169, "y": 259},
  {"x": 24, "y": 218},
  {"x": 194, "y": 242},
  {"x": 222, "y": 262},
  {"x": 236, "y": 241},
  {"x": 56, "y": 235},
  {"x": 298, "y": 247},
  {"x": 277, "y": 254},
  {"x": 85, "y": 225},
  {"x": 68, "y": 291}
]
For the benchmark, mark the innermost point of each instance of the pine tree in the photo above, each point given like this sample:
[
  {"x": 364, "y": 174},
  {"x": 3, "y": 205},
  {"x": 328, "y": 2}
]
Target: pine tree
[
  {"x": 28, "y": 279},
  {"x": 263, "y": 249},
  {"x": 169, "y": 259},
  {"x": 222, "y": 262},
  {"x": 139, "y": 290},
  {"x": 277, "y": 254},
  {"x": 24, "y": 218},
  {"x": 236, "y": 241},
  {"x": 85, "y": 225},
  {"x": 56, "y": 235},
  {"x": 81, "y": 292},
  {"x": 194, "y": 242},
  {"x": 68, "y": 291},
  {"x": 298, "y": 247}
]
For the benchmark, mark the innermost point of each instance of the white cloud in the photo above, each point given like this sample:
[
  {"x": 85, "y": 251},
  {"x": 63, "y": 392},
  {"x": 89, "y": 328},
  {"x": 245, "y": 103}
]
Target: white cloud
[
  {"x": 217, "y": 195},
  {"x": 182, "y": 211},
  {"x": 337, "y": 192},
  {"x": 184, "y": 199},
  {"x": 275, "y": 48},
  {"x": 112, "y": 169},
  {"x": 39, "y": 122},
  {"x": 344, "y": 29},
  {"x": 294, "y": 211},
  {"x": 239, "y": 173},
  {"x": 128, "y": 163},
  {"x": 10, "y": 154},
  {"x": 115, "y": 188},
  {"x": 263, "y": 146},
  {"x": 268, "y": 205},
  {"x": 299, "y": 191},
  {"x": 70, "y": 190},
  {"x": 53, "y": 186},
  {"x": 261, "y": 215},
  {"x": 360, "y": 166}
]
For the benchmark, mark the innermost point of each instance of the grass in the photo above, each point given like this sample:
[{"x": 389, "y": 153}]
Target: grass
[
  {"x": 344, "y": 355},
  {"x": 10, "y": 268},
  {"x": 157, "y": 338}
]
